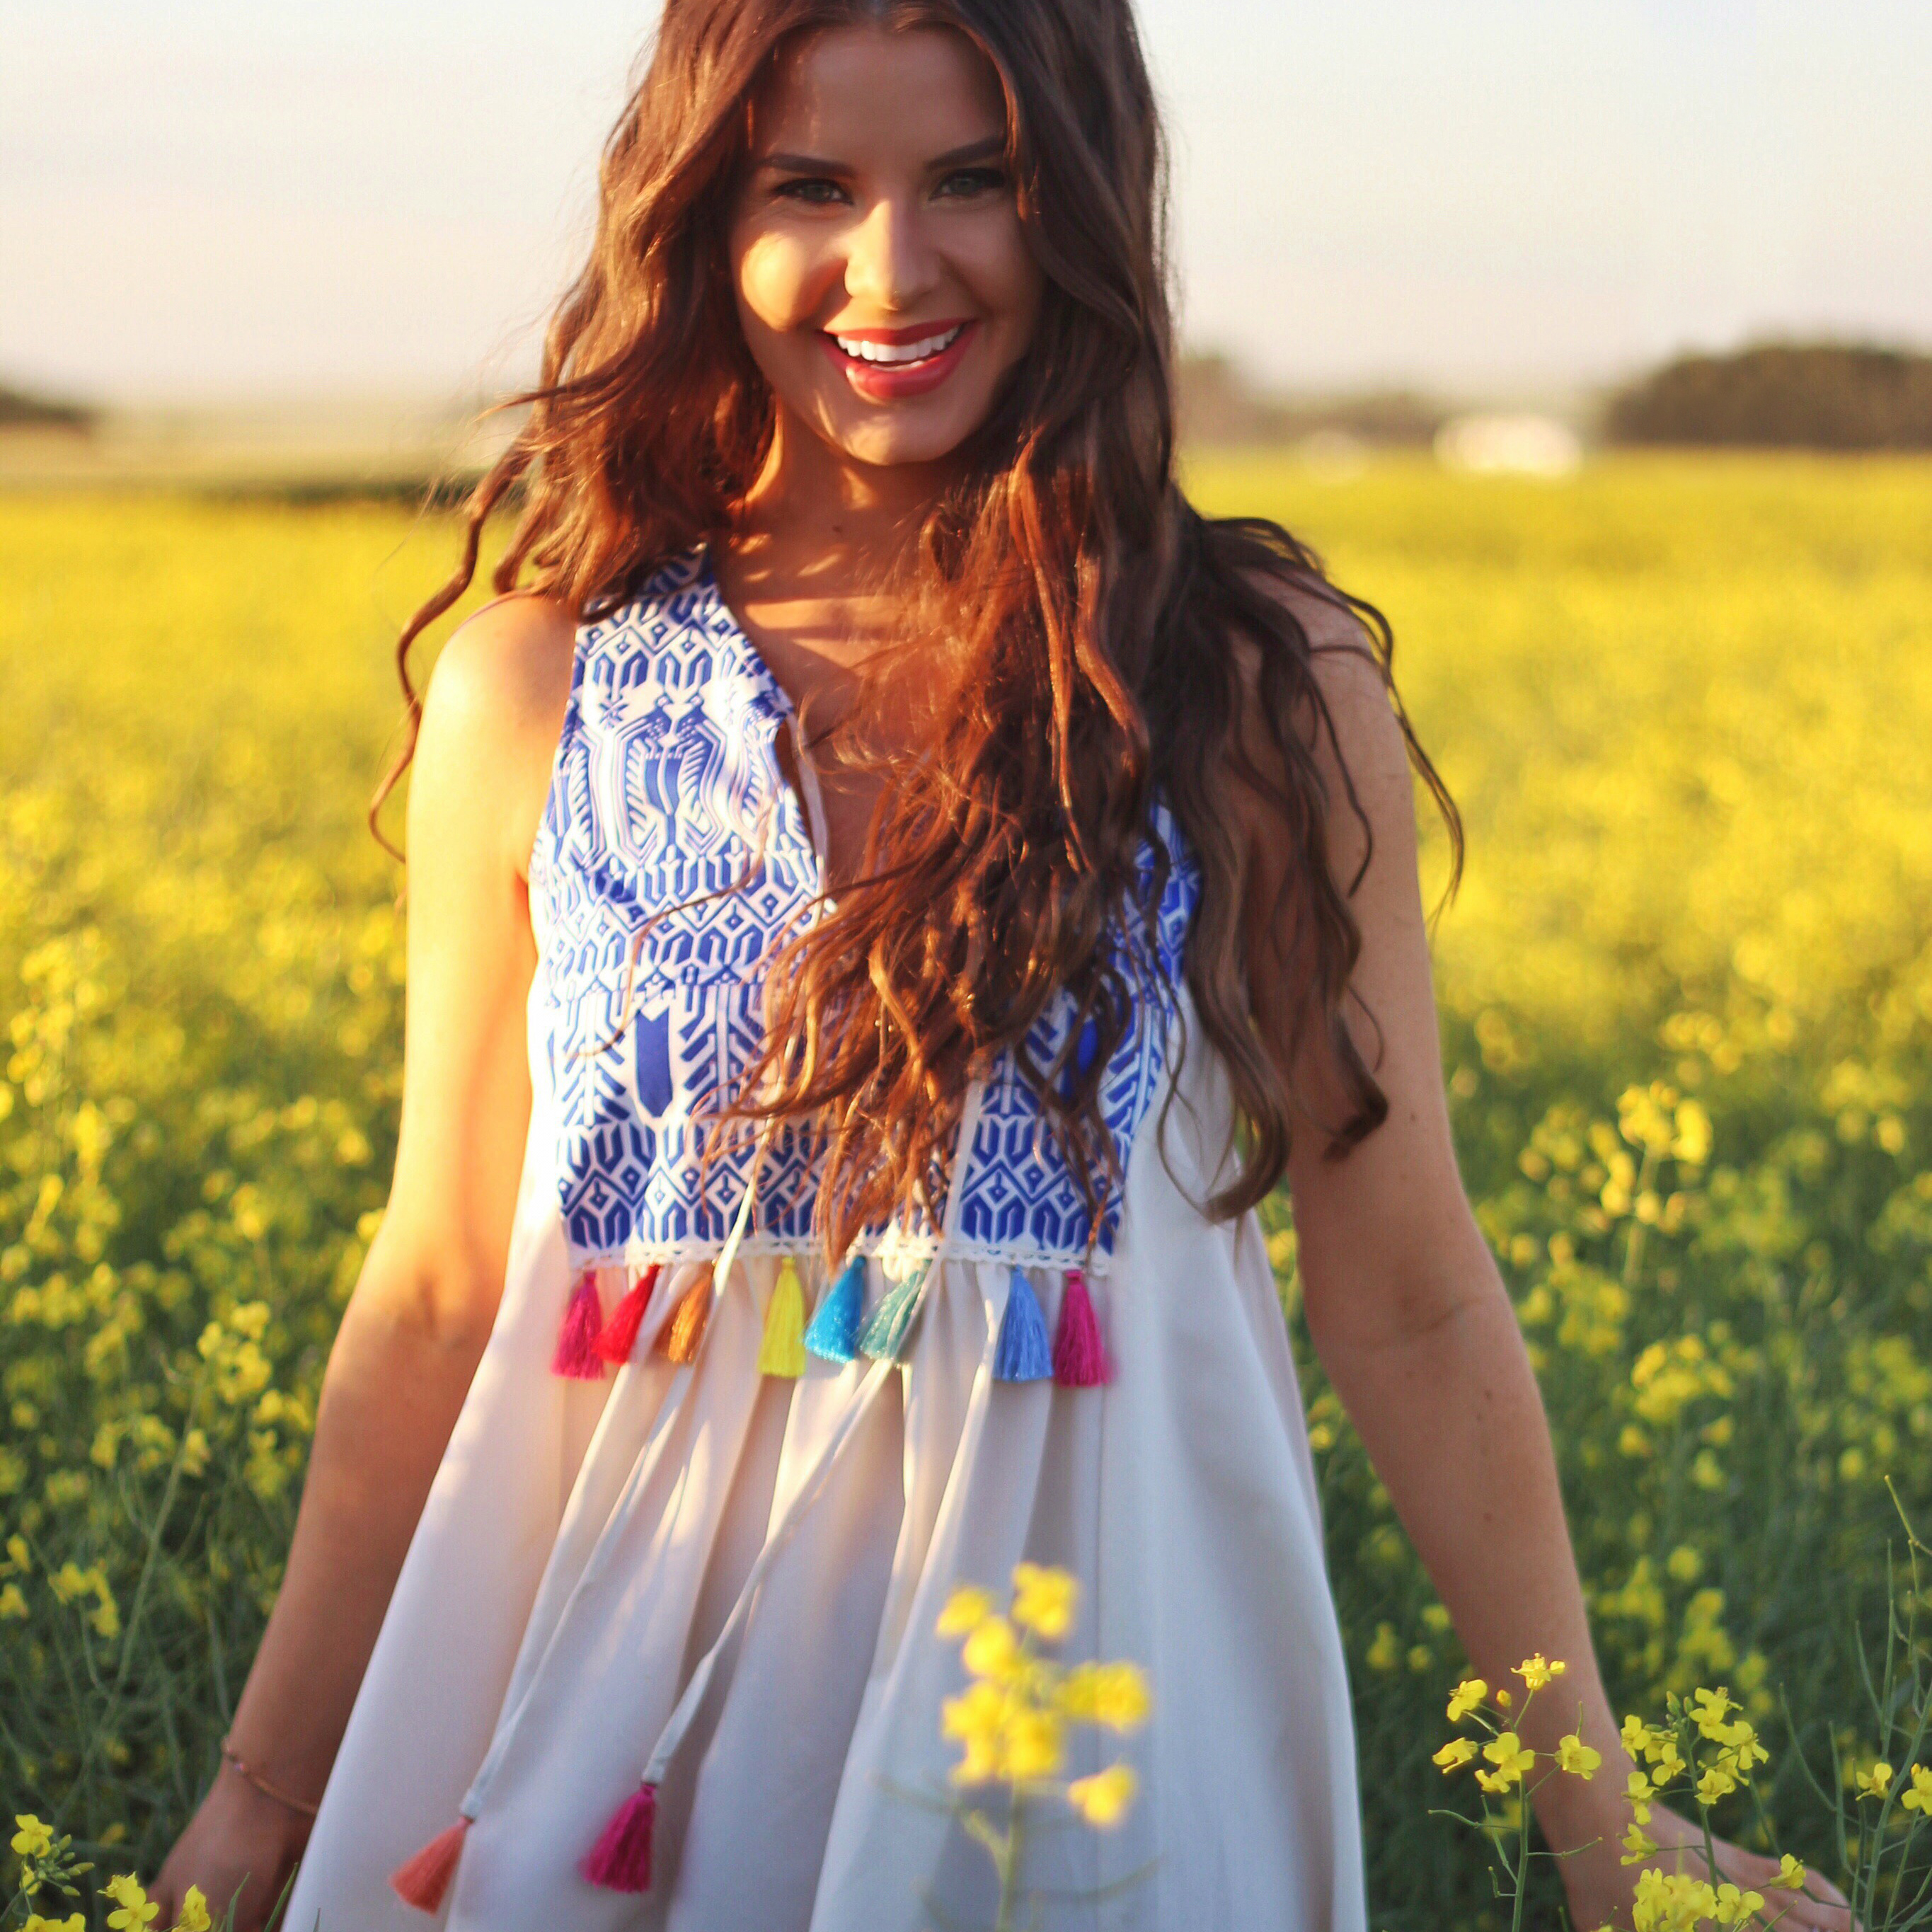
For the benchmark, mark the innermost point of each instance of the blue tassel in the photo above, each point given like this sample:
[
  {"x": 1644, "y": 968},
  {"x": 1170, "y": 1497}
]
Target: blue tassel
[
  {"x": 1024, "y": 1354},
  {"x": 891, "y": 1321},
  {"x": 834, "y": 1334}
]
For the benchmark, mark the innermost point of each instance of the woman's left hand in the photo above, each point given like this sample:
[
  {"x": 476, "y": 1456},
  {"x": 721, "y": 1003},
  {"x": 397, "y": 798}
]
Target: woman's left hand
[{"x": 1601, "y": 1887}]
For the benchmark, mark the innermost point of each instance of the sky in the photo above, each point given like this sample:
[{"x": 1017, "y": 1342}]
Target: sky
[{"x": 214, "y": 199}]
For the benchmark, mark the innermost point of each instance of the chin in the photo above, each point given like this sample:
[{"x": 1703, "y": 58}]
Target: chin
[{"x": 886, "y": 444}]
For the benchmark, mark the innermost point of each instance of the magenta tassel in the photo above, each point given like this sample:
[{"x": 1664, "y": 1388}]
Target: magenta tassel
[
  {"x": 1079, "y": 1356},
  {"x": 620, "y": 1860},
  {"x": 577, "y": 1355},
  {"x": 620, "y": 1333}
]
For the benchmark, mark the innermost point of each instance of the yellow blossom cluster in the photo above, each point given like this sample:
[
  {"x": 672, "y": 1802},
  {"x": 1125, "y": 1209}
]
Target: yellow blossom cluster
[{"x": 1011, "y": 1721}]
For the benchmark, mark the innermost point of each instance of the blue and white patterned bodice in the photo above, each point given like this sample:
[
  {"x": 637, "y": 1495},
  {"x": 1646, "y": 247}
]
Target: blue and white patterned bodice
[{"x": 672, "y": 856}]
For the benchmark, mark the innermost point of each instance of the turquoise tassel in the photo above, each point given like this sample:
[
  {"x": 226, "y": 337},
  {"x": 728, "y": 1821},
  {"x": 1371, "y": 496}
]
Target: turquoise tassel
[
  {"x": 1024, "y": 1354},
  {"x": 885, "y": 1334},
  {"x": 833, "y": 1335}
]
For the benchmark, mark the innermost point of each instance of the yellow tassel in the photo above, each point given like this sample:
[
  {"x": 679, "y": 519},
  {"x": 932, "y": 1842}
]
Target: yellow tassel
[
  {"x": 782, "y": 1351},
  {"x": 686, "y": 1329}
]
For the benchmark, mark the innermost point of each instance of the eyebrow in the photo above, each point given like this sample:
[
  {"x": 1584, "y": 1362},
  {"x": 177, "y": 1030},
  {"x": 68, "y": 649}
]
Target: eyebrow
[{"x": 953, "y": 158}]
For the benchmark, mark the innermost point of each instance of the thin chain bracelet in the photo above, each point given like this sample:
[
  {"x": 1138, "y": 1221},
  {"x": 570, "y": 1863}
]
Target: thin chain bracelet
[{"x": 249, "y": 1775}]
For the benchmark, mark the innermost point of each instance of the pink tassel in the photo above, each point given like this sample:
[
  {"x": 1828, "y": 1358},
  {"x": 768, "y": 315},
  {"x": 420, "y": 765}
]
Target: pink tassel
[
  {"x": 576, "y": 1340},
  {"x": 425, "y": 1878},
  {"x": 620, "y": 1333},
  {"x": 1079, "y": 1356},
  {"x": 620, "y": 1860}
]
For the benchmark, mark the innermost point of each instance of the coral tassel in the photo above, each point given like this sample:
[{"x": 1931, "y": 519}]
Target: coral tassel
[
  {"x": 834, "y": 1334},
  {"x": 576, "y": 1340},
  {"x": 620, "y": 1860},
  {"x": 1022, "y": 1355},
  {"x": 686, "y": 1329},
  {"x": 1079, "y": 1355},
  {"x": 781, "y": 1352},
  {"x": 423, "y": 1881},
  {"x": 620, "y": 1333},
  {"x": 886, "y": 1333}
]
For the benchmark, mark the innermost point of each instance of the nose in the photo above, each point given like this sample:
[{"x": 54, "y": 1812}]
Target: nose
[{"x": 890, "y": 260}]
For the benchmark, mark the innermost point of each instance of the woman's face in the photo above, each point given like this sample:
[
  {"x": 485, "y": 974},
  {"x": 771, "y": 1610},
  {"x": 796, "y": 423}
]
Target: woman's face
[{"x": 883, "y": 281}]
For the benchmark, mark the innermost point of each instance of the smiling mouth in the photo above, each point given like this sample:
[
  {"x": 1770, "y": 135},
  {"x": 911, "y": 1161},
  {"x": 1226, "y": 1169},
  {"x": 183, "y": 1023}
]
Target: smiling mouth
[{"x": 899, "y": 354}]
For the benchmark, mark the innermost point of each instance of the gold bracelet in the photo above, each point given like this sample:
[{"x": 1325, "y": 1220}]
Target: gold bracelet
[{"x": 249, "y": 1775}]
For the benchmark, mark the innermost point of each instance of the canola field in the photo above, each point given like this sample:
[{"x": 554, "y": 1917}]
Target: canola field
[{"x": 1686, "y": 705}]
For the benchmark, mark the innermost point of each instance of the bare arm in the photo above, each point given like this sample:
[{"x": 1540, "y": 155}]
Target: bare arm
[
  {"x": 1409, "y": 1316},
  {"x": 423, "y": 1307}
]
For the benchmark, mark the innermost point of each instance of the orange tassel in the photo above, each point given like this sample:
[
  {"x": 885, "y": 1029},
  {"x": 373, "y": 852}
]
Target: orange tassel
[
  {"x": 424, "y": 1880},
  {"x": 686, "y": 1329}
]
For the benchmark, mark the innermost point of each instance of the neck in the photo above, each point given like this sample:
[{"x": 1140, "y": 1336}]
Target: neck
[{"x": 813, "y": 500}]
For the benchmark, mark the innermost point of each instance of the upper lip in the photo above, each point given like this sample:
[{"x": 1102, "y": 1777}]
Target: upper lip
[{"x": 918, "y": 332}]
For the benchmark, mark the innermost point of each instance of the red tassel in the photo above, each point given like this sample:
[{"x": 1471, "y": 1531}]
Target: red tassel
[
  {"x": 620, "y": 1860},
  {"x": 1079, "y": 1356},
  {"x": 620, "y": 1333},
  {"x": 423, "y": 1881},
  {"x": 576, "y": 1340}
]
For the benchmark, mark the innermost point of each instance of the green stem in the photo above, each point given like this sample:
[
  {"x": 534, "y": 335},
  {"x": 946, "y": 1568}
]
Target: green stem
[
  {"x": 1009, "y": 1865},
  {"x": 1522, "y": 1855},
  {"x": 138, "y": 1607}
]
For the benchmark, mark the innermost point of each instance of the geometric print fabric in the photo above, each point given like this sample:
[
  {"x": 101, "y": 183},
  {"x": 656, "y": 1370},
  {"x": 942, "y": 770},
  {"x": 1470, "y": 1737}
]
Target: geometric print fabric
[{"x": 672, "y": 856}]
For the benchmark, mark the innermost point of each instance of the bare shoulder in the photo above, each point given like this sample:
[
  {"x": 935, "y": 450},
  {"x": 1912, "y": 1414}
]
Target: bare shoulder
[
  {"x": 492, "y": 715},
  {"x": 1354, "y": 735}
]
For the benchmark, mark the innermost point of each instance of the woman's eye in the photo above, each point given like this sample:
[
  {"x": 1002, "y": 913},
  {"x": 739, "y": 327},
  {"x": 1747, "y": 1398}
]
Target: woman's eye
[
  {"x": 815, "y": 190},
  {"x": 964, "y": 183}
]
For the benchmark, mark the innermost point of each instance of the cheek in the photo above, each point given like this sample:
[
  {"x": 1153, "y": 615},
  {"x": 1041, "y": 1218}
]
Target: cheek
[
  {"x": 780, "y": 281},
  {"x": 1008, "y": 281}
]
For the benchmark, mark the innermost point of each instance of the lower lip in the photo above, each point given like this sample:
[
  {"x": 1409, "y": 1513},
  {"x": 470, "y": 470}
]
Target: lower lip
[{"x": 883, "y": 382}]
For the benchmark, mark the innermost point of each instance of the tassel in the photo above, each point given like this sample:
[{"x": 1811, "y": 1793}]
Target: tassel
[
  {"x": 886, "y": 1333},
  {"x": 781, "y": 1352},
  {"x": 686, "y": 1329},
  {"x": 577, "y": 1355},
  {"x": 1022, "y": 1355},
  {"x": 1079, "y": 1356},
  {"x": 620, "y": 1333},
  {"x": 620, "y": 1860},
  {"x": 423, "y": 1881},
  {"x": 833, "y": 1335}
]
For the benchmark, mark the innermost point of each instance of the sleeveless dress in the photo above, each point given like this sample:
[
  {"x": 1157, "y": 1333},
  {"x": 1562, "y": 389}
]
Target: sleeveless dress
[{"x": 691, "y": 1575}]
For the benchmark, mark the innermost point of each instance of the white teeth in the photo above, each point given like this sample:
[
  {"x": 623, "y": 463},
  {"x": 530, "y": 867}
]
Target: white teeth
[{"x": 893, "y": 354}]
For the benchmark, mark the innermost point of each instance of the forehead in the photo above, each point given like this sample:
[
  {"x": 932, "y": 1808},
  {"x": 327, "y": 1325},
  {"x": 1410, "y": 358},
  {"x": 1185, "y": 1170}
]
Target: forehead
[{"x": 841, "y": 93}]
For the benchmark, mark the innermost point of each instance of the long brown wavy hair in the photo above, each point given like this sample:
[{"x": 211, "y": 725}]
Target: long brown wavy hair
[{"x": 1100, "y": 644}]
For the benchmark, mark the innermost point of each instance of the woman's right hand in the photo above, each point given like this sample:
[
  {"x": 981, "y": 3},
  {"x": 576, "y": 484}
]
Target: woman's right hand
[{"x": 241, "y": 1842}]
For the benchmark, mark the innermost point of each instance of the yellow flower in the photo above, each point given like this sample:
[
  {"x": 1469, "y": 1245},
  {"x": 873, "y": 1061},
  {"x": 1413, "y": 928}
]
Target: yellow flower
[
  {"x": 966, "y": 1609},
  {"x": 1734, "y": 1907},
  {"x": 1034, "y": 1744},
  {"x": 1637, "y": 1847},
  {"x": 1103, "y": 1798},
  {"x": 976, "y": 1720},
  {"x": 1504, "y": 1700},
  {"x": 194, "y": 1913},
  {"x": 33, "y": 1839},
  {"x": 73, "y": 1922},
  {"x": 1575, "y": 1756},
  {"x": 1536, "y": 1671},
  {"x": 1457, "y": 1752},
  {"x": 1115, "y": 1695},
  {"x": 1636, "y": 1736},
  {"x": 1044, "y": 1599},
  {"x": 1464, "y": 1699},
  {"x": 1714, "y": 1784},
  {"x": 1919, "y": 1798},
  {"x": 12, "y": 1603},
  {"x": 992, "y": 1650},
  {"x": 1790, "y": 1875},
  {"x": 1711, "y": 1707},
  {"x": 1875, "y": 1781},
  {"x": 136, "y": 1909},
  {"x": 1512, "y": 1761}
]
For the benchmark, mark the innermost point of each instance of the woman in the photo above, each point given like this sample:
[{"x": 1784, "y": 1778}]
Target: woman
[{"x": 947, "y": 884}]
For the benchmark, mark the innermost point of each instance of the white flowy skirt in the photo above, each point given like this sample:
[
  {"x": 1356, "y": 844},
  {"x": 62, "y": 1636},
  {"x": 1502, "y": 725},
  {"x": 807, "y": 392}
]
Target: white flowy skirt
[{"x": 586, "y": 1547}]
